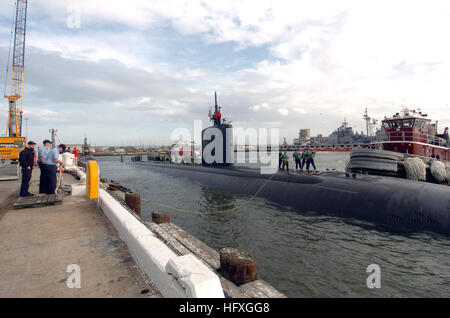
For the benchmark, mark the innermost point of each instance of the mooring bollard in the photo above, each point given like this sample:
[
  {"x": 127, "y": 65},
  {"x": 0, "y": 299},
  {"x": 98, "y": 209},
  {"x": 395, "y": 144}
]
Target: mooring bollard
[
  {"x": 114, "y": 186},
  {"x": 133, "y": 200},
  {"x": 237, "y": 266},
  {"x": 160, "y": 217}
]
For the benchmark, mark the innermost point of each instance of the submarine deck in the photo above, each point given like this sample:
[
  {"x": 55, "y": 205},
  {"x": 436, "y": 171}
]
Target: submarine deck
[{"x": 392, "y": 203}]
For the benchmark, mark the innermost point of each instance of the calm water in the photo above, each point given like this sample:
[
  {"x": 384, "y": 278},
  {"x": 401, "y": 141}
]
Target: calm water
[{"x": 300, "y": 254}]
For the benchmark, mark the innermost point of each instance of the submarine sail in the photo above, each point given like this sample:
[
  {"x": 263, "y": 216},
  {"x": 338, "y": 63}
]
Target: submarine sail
[{"x": 217, "y": 140}]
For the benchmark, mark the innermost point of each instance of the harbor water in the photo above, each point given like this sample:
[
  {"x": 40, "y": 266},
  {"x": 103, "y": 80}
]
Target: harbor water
[{"x": 299, "y": 253}]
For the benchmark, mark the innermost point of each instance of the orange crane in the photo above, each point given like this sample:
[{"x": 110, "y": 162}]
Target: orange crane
[{"x": 13, "y": 142}]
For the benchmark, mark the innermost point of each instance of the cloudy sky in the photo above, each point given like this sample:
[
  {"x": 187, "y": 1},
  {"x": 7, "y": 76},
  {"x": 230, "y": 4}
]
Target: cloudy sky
[{"x": 134, "y": 70}]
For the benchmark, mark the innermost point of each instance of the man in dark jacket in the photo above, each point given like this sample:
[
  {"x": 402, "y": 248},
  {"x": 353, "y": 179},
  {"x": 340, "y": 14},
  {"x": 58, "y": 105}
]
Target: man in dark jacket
[
  {"x": 280, "y": 159},
  {"x": 26, "y": 161}
]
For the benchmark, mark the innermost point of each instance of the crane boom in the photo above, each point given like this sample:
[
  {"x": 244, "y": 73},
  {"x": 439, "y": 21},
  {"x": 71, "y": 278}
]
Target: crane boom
[
  {"x": 14, "y": 127},
  {"x": 13, "y": 143}
]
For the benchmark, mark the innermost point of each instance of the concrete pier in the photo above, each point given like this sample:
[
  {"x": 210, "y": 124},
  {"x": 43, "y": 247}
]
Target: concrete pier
[
  {"x": 9, "y": 187},
  {"x": 116, "y": 252},
  {"x": 38, "y": 244}
]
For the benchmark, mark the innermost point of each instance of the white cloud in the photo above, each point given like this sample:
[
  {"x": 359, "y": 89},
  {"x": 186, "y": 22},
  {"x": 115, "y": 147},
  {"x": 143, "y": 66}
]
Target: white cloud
[
  {"x": 43, "y": 113},
  {"x": 283, "y": 111},
  {"x": 258, "y": 107},
  {"x": 329, "y": 59},
  {"x": 300, "y": 110},
  {"x": 191, "y": 74},
  {"x": 177, "y": 104},
  {"x": 144, "y": 100}
]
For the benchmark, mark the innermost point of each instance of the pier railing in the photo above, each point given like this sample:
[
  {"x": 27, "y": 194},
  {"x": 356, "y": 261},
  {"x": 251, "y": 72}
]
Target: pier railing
[{"x": 405, "y": 136}]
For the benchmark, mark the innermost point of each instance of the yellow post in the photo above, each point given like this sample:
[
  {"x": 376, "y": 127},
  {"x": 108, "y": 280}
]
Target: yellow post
[{"x": 92, "y": 177}]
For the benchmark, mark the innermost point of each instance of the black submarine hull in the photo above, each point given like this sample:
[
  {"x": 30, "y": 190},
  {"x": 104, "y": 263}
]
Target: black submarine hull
[{"x": 393, "y": 203}]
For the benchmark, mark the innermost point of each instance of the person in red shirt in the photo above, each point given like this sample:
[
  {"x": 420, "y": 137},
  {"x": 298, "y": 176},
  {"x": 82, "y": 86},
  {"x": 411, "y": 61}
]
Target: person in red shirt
[
  {"x": 75, "y": 155},
  {"x": 219, "y": 116},
  {"x": 216, "y": 117}
]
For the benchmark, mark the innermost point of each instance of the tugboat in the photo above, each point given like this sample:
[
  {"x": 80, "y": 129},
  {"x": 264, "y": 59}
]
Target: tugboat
[
  {"x": 411, "y": 132},
  {"x": 411, "y": 138}
]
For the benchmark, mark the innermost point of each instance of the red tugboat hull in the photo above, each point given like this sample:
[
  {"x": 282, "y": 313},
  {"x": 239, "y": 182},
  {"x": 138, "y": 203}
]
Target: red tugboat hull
[{"x": 418, "y": 149}]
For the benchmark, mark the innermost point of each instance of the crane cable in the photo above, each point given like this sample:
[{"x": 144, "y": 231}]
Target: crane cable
[
  {"x": 58, "y": 138},
  {"x": 9, "y": 52},
  {"x": 213, "y": 212}
]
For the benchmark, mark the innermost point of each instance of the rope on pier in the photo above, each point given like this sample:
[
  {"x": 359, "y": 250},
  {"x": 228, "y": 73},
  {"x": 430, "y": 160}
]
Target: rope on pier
[{"x": 167, "y": 206}]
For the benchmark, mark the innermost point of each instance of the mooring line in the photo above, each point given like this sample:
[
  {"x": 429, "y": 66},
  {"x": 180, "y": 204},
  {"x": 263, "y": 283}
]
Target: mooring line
[{"x": 213, "y": 212}]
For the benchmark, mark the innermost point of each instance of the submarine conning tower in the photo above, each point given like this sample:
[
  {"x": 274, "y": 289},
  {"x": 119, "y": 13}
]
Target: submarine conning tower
[{"x": 217, "y": 140}]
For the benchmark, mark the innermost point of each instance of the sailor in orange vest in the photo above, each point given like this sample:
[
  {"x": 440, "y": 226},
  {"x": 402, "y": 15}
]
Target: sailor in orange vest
[{"x": 217, "y": 116}]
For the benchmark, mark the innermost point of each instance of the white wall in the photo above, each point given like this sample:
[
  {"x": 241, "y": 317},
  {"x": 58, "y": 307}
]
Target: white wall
[{"x": 173, "y": 275}]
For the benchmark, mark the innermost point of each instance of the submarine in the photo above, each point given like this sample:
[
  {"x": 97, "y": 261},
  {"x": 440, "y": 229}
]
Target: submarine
[{"x": 388, "y": 202}]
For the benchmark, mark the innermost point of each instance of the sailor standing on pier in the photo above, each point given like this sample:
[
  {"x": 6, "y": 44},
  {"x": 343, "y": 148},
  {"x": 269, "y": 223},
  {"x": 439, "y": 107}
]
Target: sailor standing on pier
[
  {"x": 75, "y": 156},
  {"x": 51, "y": 160},
  {"x": 42, "y": 154},
  {"x": 26, "y": 160}
]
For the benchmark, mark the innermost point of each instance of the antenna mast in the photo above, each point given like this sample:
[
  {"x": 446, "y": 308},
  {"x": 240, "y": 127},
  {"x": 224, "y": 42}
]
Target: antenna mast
[
  {"x": 367, "y": 119},
  {"x": 370, "y": 122},
  {"x": 216, "y": 107}
]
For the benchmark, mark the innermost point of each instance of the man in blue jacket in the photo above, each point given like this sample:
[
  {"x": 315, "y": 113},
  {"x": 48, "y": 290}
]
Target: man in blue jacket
[{"x": 50, "y": 167}]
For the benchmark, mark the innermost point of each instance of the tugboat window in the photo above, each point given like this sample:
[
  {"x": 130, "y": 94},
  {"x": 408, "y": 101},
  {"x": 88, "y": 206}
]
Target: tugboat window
[
  {"x": 397, "y": 124},
  {"x": 408, "y": 123},
  {"x": 421, "y": 124}
]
